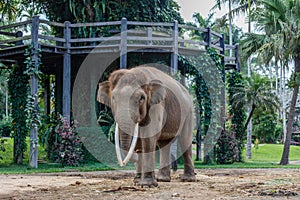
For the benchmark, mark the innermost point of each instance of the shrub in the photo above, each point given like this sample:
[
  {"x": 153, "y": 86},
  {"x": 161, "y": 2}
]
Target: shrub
[
  {"x": 2, "y": 148},
  {"x": 5, "y": 127},
  {"x": 63, "y": 145},
  {"x": 68, "y": 146},
  {"x": 226, "y": 148}
]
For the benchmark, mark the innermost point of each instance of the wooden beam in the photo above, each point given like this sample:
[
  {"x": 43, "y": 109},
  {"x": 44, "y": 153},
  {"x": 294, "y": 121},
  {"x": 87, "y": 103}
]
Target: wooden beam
[
  {"x": 174, "y": 54},
  {"x": 237, "y": 57},
  {"x": 123, "y": 46},
  {"x": 33, "y": 160},
  {"x": 47, "y": 95},
  {"x": 66, "y": 102}
]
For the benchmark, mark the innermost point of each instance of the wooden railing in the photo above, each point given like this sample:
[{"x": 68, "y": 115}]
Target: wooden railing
[{"x": 120, "y": 36}]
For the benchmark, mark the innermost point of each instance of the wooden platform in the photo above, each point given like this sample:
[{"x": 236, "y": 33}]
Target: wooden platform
[{"x": 119, "y": 37}]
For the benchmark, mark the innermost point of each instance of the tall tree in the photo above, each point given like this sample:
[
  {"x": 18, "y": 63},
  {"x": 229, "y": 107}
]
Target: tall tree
[
  {"x": 243, "y": 6},
  {"x": 8, "y": 10},
  {"x": 280, "y": 20},
  {"x": 113, "y": 10},
  {"x": 255, "y": 93}
]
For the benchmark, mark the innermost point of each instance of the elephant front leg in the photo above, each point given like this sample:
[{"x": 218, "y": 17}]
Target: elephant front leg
[
  {"x": 138, "y": 165},
  {"x": 164, "y": 173},
  {"x": 148, "y": 161}
]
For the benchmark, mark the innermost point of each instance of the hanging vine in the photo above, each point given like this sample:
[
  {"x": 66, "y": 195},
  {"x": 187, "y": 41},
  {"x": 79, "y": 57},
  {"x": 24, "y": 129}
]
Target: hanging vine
[
  {"x": 238, "y": 114},
  {"x": 33, "y": 69},
  {"x": 18, "y": 91}
]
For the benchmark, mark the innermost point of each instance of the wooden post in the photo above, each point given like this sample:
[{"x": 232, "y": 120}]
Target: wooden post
[
  {"x": 66, "y": 104},
  {"x": 223, "y": 96},
  {"x": 198, "y": 134},
  {"x": 58, "y": 88},
  {"x": 33, "y": 160},
  {"x": 123, "y": 46},
  {"x": 222, "y": 45},
  {"x": 237, "y": 57},
  {"x": 208, "y": 37},
  {"x": 19, "y": 34},
  {"x": 174, "y": 54},
  {"x": 149, "y": 35},
  {"x": 47, "y": 95},
  {"x": 174, "y": 70}
]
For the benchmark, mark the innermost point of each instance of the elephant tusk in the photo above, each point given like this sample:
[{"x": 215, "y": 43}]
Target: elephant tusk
[
  {"x": 117, "y": 143},
  {"x": 132, "y": 146}
]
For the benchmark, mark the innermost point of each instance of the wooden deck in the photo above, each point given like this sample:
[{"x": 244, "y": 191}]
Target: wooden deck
[
  {"x": 125, "y": 36},
  {"x": 120, "y": 37}
]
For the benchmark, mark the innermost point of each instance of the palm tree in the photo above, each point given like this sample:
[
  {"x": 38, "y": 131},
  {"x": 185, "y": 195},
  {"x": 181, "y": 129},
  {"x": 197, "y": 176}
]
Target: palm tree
[
  {"x": 280, "y": 20},
  {"x": 8, "y": 9},
  {"x": 255, "y": 94},
  {"x": 240, "y": 6}
]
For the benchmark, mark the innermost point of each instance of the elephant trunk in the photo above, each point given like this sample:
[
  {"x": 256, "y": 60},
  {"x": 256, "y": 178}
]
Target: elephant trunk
[{"x": 131, "y": 148}]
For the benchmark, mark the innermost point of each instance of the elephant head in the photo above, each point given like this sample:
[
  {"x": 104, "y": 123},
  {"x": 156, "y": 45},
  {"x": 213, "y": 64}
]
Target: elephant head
[{"x": 130, "y": 94}]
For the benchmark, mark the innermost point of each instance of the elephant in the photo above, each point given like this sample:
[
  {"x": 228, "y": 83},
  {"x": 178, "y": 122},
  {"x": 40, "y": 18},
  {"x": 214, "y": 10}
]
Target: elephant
[{"x": 150, "y": 109}]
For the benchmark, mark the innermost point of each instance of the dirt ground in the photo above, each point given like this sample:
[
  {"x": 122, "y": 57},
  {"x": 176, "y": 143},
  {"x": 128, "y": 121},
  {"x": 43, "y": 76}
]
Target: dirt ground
[{"x": 211, "y": 184}]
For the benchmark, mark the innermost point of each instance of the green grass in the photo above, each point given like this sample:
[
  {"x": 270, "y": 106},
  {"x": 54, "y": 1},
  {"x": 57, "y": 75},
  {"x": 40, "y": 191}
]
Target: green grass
[
  {"x": 266, "y": 156},
  {"x": 272, "y": 153}
]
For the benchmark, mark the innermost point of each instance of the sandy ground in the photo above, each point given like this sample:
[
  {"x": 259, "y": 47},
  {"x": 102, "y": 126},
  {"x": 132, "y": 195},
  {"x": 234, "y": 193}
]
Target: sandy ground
[{"x": 211, "y": 184}]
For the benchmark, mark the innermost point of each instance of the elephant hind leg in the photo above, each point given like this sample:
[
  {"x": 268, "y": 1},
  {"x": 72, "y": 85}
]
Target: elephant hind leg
[{"x": 185, "y": 141}]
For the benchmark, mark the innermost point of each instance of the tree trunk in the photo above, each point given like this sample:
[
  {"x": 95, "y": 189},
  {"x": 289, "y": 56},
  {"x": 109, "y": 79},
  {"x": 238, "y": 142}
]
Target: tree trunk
[
  {"x": 6, "y": 105},
  {"x": 230, "y": 27},
  {"x": 249, "y": 116},
  {"x": 283, "y": 105},
  {"x": 249, "y": 132},
  {"x": 287, "y": 143},
  {"x": 276, "y": 80},
  {"x": 18, "y": 154}
]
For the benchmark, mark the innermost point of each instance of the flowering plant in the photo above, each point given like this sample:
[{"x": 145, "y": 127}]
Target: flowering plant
[{"x": 68, "y": 146}]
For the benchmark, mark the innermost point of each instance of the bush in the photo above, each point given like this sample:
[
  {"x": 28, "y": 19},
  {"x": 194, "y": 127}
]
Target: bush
[
  {"x": 63, "y": 145},
  {"x": 226, "y": 148},
  {"x": 5, "y": 128},
  {"x": 68, "y": 146},
  {"x": 2, "y": 148}
]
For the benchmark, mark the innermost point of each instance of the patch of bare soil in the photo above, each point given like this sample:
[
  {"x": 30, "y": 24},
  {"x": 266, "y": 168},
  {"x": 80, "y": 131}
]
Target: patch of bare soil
[{"x": 211, "y": 184}]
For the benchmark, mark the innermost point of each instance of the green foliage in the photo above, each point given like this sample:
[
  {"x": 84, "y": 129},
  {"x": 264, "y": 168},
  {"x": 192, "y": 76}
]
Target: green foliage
[
  {"x": 237, "y": 113},
  {"x": 48, "y": 136},
  {"x": 32, "y": 66},
  {"x": 194, "y": 67},
  {"x": 33, "y": 70},
  {"x": 5, "y": 130},
  {"x": 265, "y": 126},
  {"x": 226, "y": 148},
  {"x": 103, "y": 10},
  {"x": 107, "y": 123},
  {"x": 2, "y": 146},
  {"x": 68, "y": 148},
  {"x": 5, "y": 127},
  {"x": 198, "y": 84},
  {"x": 18, "y": 90}
]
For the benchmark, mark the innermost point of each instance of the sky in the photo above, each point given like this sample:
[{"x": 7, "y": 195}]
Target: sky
[{"x": 188, "y": 7}]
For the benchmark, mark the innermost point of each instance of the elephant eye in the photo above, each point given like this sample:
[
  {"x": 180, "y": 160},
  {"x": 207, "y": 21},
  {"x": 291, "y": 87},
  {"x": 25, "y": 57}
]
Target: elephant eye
[{"x": 142, "y": 99}]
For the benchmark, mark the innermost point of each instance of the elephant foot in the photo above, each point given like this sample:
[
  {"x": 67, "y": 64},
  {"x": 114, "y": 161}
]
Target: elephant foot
[
  {"x": 137, "y": 179},
  {"x": 148, "y": 182},
  {"x": 188, "y": 178},
  {"x": 163, "y": 176}
]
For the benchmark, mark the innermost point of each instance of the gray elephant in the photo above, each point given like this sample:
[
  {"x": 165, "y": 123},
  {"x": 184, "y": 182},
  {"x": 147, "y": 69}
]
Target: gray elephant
[{"x": 150, "y": 109}]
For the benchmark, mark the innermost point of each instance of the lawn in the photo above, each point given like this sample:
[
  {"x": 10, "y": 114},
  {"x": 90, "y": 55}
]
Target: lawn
[{"x": 266, "y": 156}]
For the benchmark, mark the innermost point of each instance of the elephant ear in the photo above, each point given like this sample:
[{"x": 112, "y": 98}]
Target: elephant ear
[
  {"x": 106, "y": 87},
  {"x": 115, "y": 77},
  {"x": 158, "y": 92},
  {"x": 103, "y": 95}
]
